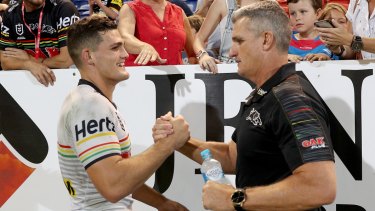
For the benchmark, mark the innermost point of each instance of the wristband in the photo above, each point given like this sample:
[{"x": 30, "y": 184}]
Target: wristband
[{"x": 200, "y": 54}]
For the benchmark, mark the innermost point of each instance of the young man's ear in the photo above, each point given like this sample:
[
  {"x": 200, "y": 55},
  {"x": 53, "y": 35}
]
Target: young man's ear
[{"x": 86, "y": 57}]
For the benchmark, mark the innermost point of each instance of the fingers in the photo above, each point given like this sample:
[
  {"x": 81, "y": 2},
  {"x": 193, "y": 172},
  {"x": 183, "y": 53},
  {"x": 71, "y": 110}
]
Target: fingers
[
  {"x": 148, "y": 54},
  {"x": 161, "y": 61},
  {"x": 294, "y": 58},
  {"x": 142, "y": 58},
  {"x": 41, "y": 79},
  {"x": 162, "y": 129},
  {"x": 209, "y": 63},
  {"x": 167, "y": 117},
  {"x": 48, "y": 77},
  {"x": 44, "y": 75},
  {"x": 316, "y": 57}
]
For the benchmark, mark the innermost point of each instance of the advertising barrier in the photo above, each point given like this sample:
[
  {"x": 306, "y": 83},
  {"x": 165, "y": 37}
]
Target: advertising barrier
[{"x": 30, "y": 178}]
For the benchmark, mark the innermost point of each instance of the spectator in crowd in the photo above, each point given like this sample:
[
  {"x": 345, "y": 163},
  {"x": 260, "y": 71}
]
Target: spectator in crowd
[
  {"x": 202, "y": 7},
  {"x": 3, "y": 7},
  {"x": 212, "y": 45},
  {"x": 336, "y": 11},
  {"x": 183, "y": 6},
  {"x": 360, "y": 43},
  {"x": 281, "y": 151},
  {"x": 306, "y": 43},
  {"x": 33, "y": 37},
  {"x": 219, "y": 15},
  {"x": 109, "y": 7},
  {"x": 95, "y": 161},
  {"x": 195, "y": 22},
  {"x": 156, "y": 32},
  {"x": 218, "y": 18}
]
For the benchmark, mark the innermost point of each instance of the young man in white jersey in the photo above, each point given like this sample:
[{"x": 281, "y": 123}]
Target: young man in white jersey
[{"x": 93, "y": 142}]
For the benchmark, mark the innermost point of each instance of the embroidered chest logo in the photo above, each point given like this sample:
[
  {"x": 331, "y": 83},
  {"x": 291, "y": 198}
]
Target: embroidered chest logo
[
  {"x": 254, "y": 117},
  {"x": 261, "y": 92},
  {"x": 19, "y": 29}
]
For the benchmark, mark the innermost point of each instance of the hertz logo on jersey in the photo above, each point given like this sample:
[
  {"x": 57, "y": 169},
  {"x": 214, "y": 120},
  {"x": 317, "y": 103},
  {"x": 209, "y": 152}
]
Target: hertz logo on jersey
[
  {"x": 93, "y": 126},
  {"x": 66, "y": 21}
]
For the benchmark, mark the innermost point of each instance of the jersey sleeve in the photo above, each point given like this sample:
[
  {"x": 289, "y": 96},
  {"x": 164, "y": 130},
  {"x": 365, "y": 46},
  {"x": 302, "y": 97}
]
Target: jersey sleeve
[
  {"x": 66, "y": 14},
  {"x": 93, "y": 125},
  {"x": 305, "y": 138},
  {"x": 6, "y": 39}
]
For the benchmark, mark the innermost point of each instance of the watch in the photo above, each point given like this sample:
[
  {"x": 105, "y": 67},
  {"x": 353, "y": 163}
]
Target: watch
[
  {"x": 357, "y": 44},
  {"x": 238, "y": 199}
]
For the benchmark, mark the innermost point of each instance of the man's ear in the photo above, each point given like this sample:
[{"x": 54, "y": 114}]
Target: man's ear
[
  {"x": 86, "y": 57},
  {"x": 268, "y": 40}
]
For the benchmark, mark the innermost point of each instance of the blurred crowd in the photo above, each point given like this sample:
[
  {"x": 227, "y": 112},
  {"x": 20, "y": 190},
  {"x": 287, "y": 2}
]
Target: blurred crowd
[{"x": 161, "y": 32}]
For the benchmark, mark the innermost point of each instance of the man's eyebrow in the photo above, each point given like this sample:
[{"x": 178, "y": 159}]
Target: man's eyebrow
[
  {"x": 116, "y": 44},
  {"x": 236, "y": 39}
]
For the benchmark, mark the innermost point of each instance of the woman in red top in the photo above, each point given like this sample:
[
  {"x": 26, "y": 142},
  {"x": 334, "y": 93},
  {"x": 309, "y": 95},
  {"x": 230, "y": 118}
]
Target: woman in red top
[{"x": 155, "y": 33}]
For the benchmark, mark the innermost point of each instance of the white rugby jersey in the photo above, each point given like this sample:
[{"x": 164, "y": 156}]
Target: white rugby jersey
[{"x": 90, "y": 129}]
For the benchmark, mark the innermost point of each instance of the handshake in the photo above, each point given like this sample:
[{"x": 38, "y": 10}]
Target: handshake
[{"x": 173, "y": 132}]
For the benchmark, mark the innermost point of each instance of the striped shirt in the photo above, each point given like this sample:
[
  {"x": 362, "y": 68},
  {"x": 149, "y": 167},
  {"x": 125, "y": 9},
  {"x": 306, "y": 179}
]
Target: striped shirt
[
  {"x": 90, "y": 129},
  {"x": 57, "y": 16}
]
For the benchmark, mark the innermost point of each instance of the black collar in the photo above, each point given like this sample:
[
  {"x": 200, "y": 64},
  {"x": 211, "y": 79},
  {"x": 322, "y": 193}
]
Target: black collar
[
  {"x": 284, "y": 72},
  {"x": 85, "y": 82}
]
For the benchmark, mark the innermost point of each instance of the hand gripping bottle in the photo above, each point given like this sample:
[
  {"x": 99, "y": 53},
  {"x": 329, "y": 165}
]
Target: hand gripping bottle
[{"x": 211, "y": 168}]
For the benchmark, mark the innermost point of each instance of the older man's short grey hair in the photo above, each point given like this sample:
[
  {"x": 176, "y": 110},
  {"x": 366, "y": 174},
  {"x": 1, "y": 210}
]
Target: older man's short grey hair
[{"x": 267, "y": 16}]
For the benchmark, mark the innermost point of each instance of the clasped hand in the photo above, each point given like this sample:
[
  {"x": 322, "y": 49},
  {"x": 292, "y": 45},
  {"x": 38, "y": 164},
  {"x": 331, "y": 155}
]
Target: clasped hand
[{"x": 171, "y": 129}]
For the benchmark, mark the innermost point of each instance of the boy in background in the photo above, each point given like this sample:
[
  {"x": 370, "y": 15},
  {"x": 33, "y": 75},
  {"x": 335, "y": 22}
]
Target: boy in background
[{"x": 305, "y": 43}]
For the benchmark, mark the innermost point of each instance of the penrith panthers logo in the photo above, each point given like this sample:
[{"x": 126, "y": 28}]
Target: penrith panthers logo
[{"x": 254, "y": 117}]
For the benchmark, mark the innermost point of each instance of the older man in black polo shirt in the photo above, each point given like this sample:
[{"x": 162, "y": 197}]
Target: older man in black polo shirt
[{"x": 281, "y": 152}]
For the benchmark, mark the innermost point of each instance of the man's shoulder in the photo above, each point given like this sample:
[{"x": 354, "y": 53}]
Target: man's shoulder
[
  {"x": 291, "y": 86},
  {"x": 84, "y": 97}
]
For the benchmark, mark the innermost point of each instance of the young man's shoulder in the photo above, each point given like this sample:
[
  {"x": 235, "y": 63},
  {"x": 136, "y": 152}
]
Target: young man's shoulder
[{"x": 86, "y": 97}]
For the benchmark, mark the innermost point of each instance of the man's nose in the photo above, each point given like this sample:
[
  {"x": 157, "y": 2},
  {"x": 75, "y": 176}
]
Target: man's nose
[
  {"x": 232, "y": 52},
  {"x": 124, "y": 53}
]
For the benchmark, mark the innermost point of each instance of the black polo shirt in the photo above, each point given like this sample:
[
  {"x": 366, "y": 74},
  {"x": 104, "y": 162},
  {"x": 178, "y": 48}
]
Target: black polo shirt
[{"x": 283, "y": 125}]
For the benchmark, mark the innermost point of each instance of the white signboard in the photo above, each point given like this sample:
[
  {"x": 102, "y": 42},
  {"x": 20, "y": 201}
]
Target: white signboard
[{"x": 29, "y": 173}]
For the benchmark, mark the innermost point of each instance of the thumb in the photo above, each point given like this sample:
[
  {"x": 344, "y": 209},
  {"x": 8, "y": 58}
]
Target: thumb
[
  {"x": 168, "y": 116},
  {"x": 161, "y": 61}
]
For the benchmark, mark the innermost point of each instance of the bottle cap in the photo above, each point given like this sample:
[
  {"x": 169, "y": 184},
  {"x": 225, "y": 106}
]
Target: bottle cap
[{"x": 206, "y": 153}]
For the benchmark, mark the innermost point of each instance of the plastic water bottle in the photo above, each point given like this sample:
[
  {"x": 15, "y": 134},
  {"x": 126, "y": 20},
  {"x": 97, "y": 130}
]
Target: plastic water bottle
[{"x": 211, "y": 168}]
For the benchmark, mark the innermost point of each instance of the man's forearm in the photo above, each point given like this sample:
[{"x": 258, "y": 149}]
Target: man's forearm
[
  {"x": 220, "y": 151},
  {"x": 58, "y": 62},
  {"x": 369, "y": 44},
  {"x": 9, "y": 63},
  {"x": 295, "y": 192},
  {"x": 149, "y": 196}
]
